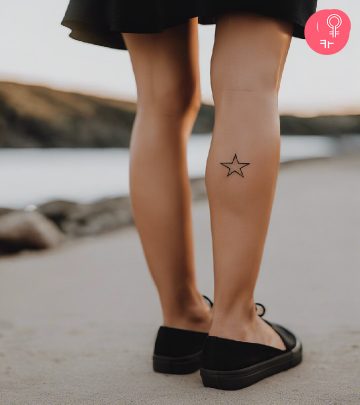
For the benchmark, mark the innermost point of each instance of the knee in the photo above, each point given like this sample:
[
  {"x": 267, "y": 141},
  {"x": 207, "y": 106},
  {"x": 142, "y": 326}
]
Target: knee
[{"x": 179, "y": 98}]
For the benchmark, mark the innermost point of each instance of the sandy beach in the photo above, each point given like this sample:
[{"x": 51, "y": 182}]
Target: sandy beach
[{"x": 77, "y": 324}]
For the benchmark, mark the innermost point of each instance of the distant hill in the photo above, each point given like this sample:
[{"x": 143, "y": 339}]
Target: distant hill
[{"x": 36, "y": 116}]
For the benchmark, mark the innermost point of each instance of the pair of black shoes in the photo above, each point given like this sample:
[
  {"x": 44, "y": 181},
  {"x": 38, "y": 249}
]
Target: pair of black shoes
[{"x": 224, "y": 363}]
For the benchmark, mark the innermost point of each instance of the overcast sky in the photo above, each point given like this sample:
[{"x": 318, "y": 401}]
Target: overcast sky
[{"x": 35, "y": 48}]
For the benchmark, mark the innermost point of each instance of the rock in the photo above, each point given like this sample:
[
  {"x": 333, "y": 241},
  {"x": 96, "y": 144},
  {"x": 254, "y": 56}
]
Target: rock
[
  {"x": 49, "y": 223},
  {"x": 76, "y": 220},
  {"x": 21, "y": 230},
  {"x": 4, "y": 211},
  {"x": 58, "y": 211},
  {"x": 89, "y": 219}
]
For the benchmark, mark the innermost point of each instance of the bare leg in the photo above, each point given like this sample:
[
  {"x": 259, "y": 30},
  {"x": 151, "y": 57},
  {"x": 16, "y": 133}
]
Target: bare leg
[
  {"x": 247, "y": 62},
  {"x": 167, "y": 77}
]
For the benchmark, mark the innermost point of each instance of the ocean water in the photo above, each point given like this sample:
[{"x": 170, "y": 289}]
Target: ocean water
[{"x": 32, "y": 176}]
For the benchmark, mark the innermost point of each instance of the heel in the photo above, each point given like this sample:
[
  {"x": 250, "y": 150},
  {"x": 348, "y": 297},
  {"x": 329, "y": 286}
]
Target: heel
[{"x": 176, "y": 365}]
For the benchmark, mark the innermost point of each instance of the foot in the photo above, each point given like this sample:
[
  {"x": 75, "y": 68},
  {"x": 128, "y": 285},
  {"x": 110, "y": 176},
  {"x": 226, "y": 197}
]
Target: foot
[
  {"x": 179, "y": 342},
  {"x": 252, "y": 329},
  {"x": 231, "y": 364}
]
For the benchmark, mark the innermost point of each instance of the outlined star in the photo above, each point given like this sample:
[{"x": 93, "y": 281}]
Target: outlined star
[{"x": 235, "y": 166}]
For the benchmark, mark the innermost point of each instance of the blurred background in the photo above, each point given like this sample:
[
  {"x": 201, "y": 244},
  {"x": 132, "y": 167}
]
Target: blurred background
[
  {"x": 67, "y": 108},
  {"x": 68, "y": 322}
]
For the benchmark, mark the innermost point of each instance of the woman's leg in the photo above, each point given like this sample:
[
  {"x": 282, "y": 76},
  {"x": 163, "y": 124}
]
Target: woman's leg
[
  {"x": 168, "y": 89},
  {"x": 247, "y": 61}
]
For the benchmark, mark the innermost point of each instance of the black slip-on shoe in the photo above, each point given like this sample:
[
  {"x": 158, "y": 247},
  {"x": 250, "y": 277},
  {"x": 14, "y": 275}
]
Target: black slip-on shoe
[
  {"x": 231, "y": 364},
  {"x": 178, "y": 351}
]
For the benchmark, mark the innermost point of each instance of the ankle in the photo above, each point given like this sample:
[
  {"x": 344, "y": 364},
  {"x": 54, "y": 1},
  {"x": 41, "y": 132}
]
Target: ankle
[
  {"x": 245, "y": 325},
  {"x": 231, "y": 312},
  {"x": 191, "y": 312},
  {"x": 231, "y": 319}
]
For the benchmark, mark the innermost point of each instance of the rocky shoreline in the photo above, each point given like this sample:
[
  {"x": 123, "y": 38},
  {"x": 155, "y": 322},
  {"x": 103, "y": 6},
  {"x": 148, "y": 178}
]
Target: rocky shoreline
[
  {"x": 39, "y": 117},
  {"x": 50, "y": 224}
]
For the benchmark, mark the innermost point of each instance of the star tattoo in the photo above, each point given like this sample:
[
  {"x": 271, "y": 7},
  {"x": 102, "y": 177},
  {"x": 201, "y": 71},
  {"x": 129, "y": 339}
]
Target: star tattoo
[{"x": 235, "y": 166}]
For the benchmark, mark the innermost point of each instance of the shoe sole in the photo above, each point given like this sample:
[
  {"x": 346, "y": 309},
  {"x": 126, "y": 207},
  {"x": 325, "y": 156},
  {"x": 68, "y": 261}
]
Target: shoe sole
[
  {"x": 177, "y": 365},
  {"x": 237, "y": 379}
]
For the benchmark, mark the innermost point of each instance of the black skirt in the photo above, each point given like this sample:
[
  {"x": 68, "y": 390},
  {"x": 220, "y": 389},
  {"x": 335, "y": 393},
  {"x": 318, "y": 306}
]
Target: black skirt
[{"x": 101, "y": 22}]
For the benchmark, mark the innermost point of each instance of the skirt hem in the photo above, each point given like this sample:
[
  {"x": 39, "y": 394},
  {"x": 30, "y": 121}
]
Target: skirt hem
[{"x": 111, "y": 35}]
